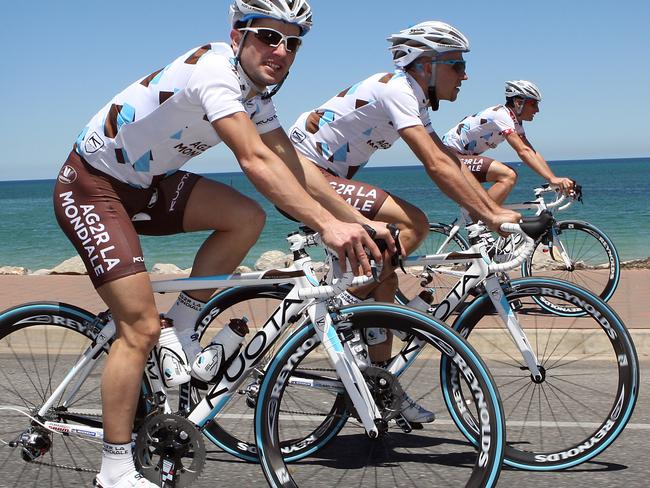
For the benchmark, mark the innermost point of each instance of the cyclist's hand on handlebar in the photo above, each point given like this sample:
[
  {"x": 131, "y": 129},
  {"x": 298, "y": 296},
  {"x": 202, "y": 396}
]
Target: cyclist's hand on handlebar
[
  {"x": 503, "y": 216},
  {"x": 565, "y": 185},
  {"x": 351, "y": 241},
  {"x": 381, "y": 232}
]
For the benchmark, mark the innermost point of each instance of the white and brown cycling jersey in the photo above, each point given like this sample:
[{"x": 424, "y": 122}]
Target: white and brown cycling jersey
[
  {"x": 342, "y": 134},
  {"x": 485, "y": 130},
  {"x": 155, "y": 125}
]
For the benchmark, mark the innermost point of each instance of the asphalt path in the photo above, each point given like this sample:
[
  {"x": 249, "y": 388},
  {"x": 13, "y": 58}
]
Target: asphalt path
[{"x": 624, "y": 464}]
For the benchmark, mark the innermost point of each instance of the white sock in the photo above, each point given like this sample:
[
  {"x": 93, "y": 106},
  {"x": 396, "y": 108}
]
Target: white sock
[
  {"x": 184, "y": 312},
  {"x": 117, "y": 462}
]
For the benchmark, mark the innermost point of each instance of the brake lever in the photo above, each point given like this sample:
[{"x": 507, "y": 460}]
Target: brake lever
[{"x": 396, "y": 260}]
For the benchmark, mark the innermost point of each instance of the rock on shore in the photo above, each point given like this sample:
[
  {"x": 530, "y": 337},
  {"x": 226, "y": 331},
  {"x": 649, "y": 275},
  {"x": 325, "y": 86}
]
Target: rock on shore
[{"x": 268, "y": 260}]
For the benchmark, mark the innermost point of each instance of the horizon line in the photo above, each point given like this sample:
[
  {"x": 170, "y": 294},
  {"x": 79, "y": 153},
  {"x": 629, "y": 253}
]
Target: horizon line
[{"x": 384, "y": 167}]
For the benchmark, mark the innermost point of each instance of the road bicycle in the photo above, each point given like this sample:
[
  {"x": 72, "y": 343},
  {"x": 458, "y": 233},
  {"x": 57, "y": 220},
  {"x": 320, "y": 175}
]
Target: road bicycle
[
  {"x": 568, "y": 381},
  {"x": 572, "y": 250},
  {"x": 546, "y": 365},
  {"x": 52, "y": 353}
]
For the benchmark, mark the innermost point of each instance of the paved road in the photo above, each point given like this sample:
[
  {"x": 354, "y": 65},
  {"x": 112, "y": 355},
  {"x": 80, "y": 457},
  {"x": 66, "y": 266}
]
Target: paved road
[{"x": 624, "y": 464}]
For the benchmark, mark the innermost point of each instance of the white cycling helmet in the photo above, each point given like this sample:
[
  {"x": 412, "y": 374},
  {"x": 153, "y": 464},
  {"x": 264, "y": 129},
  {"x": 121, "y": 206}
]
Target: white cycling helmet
[
  {"x": 430, "y": 37},
  {"x": 524, "y": 89},
  {"x": 296, "y": 12}
]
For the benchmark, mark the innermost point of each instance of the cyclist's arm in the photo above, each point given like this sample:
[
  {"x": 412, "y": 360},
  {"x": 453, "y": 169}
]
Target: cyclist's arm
[
  {"x": 445, "y": 171},
  {"x": 276, "y": 182},
  {"x": 317, "y": 185},
  {"x": 536, "y": 162}
]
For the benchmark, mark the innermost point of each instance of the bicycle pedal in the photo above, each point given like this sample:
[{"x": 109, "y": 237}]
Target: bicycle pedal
[
  {"x": 417, "y": 425},
  {"x": 404, "y": 424}
]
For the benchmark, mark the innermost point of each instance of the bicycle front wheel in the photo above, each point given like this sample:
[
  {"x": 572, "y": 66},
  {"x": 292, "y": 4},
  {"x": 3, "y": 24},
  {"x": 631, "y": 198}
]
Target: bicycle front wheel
[
  {"x": 595, "y": 264},
  {"x": 590, "y": 374},
  {"x": 301, "y": 388}
]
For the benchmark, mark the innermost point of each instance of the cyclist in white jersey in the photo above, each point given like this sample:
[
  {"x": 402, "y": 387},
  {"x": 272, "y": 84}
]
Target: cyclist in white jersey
[
  {"x": 487, "y": 129},
  {"x": 341, "y": 135},
  {"x": 122, "y": 178}
]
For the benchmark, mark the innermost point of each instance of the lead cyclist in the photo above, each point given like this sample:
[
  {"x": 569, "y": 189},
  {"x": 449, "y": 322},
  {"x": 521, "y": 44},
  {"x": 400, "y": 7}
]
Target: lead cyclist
[
  {"x": 340, "y": 136},
  {"x": 488, "y": 128}
]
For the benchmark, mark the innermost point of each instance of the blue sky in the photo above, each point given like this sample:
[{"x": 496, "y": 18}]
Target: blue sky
[{"x": 62, "y": 61}]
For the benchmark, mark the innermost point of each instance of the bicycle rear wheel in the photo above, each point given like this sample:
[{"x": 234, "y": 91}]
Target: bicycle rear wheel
[
  {"x": 589, "y": 366},
  {"x": 301, "y": 388},
  {"x": 39, "y": 344},
  {"x": 595, "y": 262}
]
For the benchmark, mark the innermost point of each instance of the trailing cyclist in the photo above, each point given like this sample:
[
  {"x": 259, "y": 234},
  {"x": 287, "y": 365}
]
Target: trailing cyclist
[
  {"x": 487, "y": 129},
  {"x": 341, "y": 135},
  {"x": 123, "y": 178}
]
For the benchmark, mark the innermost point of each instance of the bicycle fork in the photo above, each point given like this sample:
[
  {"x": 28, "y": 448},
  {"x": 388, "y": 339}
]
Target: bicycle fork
[
  {"x": 347, "y": 369},
  {"x": 498, "y": 298}
]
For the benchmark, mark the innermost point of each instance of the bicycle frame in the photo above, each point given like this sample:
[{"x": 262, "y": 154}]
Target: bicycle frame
[
  {"x": 307, "y": 301},
  {"x": 480, "y": 271}
]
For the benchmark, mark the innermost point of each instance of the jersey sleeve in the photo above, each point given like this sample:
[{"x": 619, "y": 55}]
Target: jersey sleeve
[
  {"x": 265, "y": 116},
  {"x": 401, "y": 107},
  {"x": 503, "y": 121},
  {"x": 426, "y": 121},
  {"x": 215, "y": 87}
]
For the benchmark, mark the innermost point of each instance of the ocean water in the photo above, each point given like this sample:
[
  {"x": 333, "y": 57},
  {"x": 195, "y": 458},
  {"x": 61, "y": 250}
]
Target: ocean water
[{"x": 615, "y": 199}]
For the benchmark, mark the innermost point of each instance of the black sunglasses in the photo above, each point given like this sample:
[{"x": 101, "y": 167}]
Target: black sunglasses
[
  {"x": 273, "y": 38},
  {"x": 458, "y": 65}
]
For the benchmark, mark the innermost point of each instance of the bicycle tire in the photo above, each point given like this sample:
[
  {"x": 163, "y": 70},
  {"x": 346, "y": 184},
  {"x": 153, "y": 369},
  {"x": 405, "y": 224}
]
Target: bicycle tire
[
  {"x": 591, "y": 374},
  {"x": 438, "y": 232},
  {"x": 39, "y": 343},
  {"x": 352, "y": 455},
  {"x": 597, "y": 269}
]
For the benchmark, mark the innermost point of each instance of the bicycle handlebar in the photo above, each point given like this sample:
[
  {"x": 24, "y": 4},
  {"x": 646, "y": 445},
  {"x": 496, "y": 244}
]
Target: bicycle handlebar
[
  {"x": 529, "y": 229},
  {"x": 520, "y": 253},
  {"x": 328, "y": 291}
]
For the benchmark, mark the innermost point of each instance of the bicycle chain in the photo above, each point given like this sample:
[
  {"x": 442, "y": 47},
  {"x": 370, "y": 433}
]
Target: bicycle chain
[
  {"x": 65, "y": 466},
  {"x": 318, "y": 414}
]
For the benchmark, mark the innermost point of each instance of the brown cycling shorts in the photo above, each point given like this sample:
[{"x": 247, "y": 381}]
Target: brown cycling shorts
[
  {"x": 95, "y": 211},
  {"x": 478, "y": 165},
  {"x": 365, "y": 197}
]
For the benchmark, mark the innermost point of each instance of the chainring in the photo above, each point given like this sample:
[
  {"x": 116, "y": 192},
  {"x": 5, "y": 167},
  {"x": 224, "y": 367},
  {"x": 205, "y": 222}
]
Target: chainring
[
  {"x": 170, "y": 451},
  {"x": 386, "y": 391}
]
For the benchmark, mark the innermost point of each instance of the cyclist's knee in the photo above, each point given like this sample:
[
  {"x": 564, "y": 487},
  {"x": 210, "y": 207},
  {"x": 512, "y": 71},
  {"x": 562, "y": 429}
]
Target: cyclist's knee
[
  {"x": 140, "y": 330},
  {"x": 390, "y": 280},
  {"x": 419, "y": 226},
  {"x": 257, "y": 219},
  {"x": 510, "y": 177}
]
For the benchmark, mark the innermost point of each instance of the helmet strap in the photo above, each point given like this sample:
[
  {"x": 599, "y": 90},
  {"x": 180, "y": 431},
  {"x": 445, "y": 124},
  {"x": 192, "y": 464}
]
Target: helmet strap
[
  {"x": 433, "y": 97},
  {"x": 519, "y": 105},
  {"x": 266, "y": 94},
  {"x": 240, "y": 67}
]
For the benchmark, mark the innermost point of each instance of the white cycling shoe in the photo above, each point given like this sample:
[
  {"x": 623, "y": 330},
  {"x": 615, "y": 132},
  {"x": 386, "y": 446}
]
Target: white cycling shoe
[
  {"x": 413, "y": 412},
  {"x": 132, "y": 480}
]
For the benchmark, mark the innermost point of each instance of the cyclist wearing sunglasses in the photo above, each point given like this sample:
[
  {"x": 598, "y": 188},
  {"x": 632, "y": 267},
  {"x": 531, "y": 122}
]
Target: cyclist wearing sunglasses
[
  {"x": 489, "y": 128},
  {"x": 341, "y": 135},
  {"x": 123, "y": 178}
]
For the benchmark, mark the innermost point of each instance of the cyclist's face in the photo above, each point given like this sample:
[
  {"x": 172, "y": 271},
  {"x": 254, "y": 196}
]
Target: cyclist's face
[
  {"x": 449, "y": 76},
  {"x": 531, "y": 107},
  {"x": 266, "y": 65}
]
